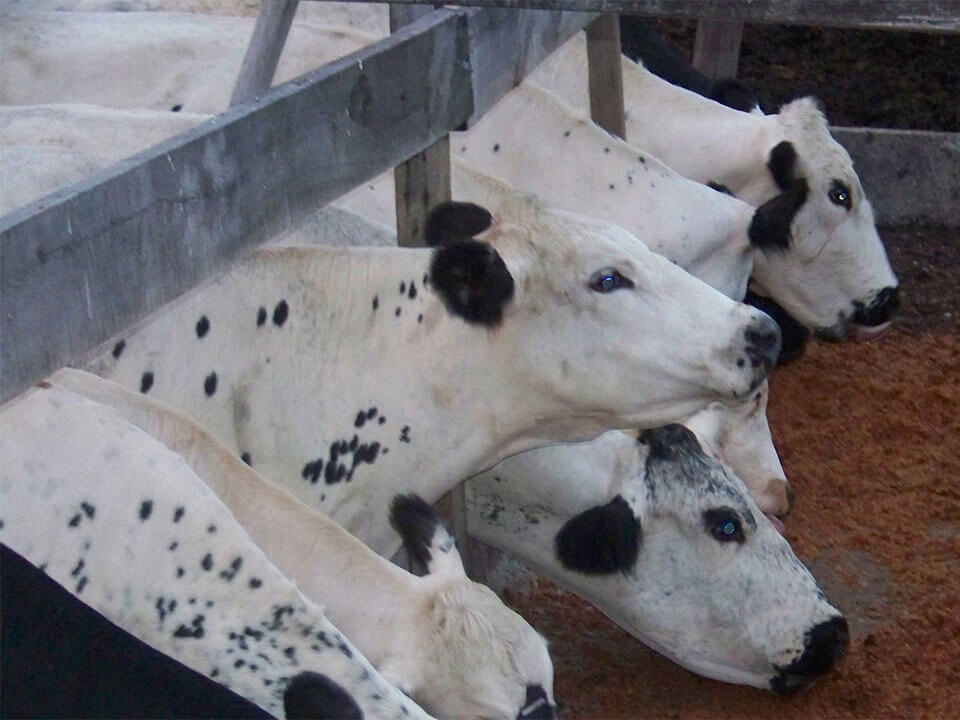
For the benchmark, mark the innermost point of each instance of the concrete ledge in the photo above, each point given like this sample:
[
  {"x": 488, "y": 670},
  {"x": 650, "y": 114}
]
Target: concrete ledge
[{"x": 910, "y": 176}]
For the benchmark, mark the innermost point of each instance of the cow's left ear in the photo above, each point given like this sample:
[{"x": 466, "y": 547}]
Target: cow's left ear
[
  {"x": 312, "y": 695},
  {"x": 433, "y": 551},
  {"x": 472, "y": 280},
  {"x": 602, "y": 540}
]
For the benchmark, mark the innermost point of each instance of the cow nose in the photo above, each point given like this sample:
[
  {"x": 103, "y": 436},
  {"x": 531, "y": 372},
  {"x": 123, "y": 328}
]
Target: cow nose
[
  {"x": 763, "y": 342},
  {"x": 825, "y": 644},
  {"x": 884, "y": 304}
]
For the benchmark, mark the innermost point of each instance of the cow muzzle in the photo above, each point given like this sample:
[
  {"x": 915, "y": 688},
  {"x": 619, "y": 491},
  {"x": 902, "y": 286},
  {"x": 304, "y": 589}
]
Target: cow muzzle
[{"x": 824, "y": 646}]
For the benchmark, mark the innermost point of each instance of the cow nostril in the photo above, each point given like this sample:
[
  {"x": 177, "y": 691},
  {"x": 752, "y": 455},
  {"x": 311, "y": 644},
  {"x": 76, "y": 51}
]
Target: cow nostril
[
  {"x": 884, "y": 304},
  {"x": 763, "y": 342},
  {"x": 825, "y": 644}
]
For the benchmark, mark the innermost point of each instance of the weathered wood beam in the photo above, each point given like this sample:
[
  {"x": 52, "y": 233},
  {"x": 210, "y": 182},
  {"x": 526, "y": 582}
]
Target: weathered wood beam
[
  {"x": 922, "y": 15},
  {"x": 263, "y": 53},
  {"x": 605, "y": 75},
  {"x": 716, "y": 48},
  {"x": 83, "y": 264}
]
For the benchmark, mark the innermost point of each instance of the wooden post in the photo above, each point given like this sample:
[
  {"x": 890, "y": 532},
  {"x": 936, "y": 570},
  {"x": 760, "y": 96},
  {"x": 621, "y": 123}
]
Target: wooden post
[
  {"x": 263, "y": 52},
  {"x": 716, "y": 49},
  {"x": 605, "y": 74},
  {"x": 423, "y": 181}
]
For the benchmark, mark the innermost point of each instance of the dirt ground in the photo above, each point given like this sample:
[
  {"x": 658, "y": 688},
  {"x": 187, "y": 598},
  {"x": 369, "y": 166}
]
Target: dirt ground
[{"x": 869, "y": 435}]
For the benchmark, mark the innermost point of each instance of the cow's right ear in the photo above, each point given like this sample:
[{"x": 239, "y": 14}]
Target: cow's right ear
[
  {"x": 453, "y": 222},
  {"x": 472, "y": 280},
  {"x": 602, "y": 540},
  {"x": 315, "y": 696}
]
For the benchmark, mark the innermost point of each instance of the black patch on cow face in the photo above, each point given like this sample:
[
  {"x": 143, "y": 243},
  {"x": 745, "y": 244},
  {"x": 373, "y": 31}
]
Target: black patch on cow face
[
  {"x": 770, "y": 226},
  {"x": 210, "y": 384},
  {"x": 602, "y": 540},
  {"x": 453, "y": 222},
  {"x": 669, "y": 442},
  {"x": 720, "y": 188},
  {"x": 203, "y": 326},
  {"x": 261, "y": 315},
  {"x": 793, "y": 335},
  {"x": 118, "y": 349},
  {"x": 473, "y": 281},
  {"x": 146, "y": 382},
  {"x": 280, "y": 313},
  {"x": 782, "y": 165},
  {"x": 146, "y": 508},
  {"x": 312, "y": 695},
  {"x": 416, "y": 522}
]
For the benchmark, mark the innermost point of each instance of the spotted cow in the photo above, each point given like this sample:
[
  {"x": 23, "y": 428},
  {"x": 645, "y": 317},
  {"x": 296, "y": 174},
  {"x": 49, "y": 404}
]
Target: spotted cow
[
  {"x": 823, "y": 261},
  {"x": 127, "y": 527},
  {"x": 347, "y": 375},
  {"x": 671, "y": 546}
]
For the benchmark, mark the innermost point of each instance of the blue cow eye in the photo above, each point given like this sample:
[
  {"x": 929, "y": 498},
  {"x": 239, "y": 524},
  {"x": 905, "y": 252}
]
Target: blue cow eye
[
  {"x": 608, "y": 280},
  {"x": 724, "y": 525}
]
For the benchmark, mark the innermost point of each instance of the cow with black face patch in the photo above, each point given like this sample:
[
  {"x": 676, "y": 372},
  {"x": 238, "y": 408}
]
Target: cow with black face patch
[
  {"x": 126, "y": 525},
  {"x": 672, "y": 547},
  {"x": 532, "y": 327},
  {"x": 820, "y": 256}
]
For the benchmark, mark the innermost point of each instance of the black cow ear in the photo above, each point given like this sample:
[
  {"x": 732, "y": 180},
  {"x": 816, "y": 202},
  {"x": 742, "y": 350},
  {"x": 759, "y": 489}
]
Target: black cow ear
[
  {"x": 770, "y": 227},
  {"x": 312, "y": 695},
  {"x": 453, "y": 222},
  {"x": 602, "y": 540},
  {"x": 783, "y": 164},
  {"x": 472, "y": 280}
]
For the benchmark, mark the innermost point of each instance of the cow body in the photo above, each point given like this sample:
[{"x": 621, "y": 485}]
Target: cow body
[
  {"x": 831, "y": 271},
  {"x": 126, "y": 525}
]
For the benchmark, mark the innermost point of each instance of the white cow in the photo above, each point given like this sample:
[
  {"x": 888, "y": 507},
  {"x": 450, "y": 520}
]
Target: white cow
[
  {"x": 669, "y": 545},
  {"x": 446, "y": 641},
  {"x": 318, "y": 364},
  {"x": 824, "y": 262},
  {"x": 129, "y": 528}
]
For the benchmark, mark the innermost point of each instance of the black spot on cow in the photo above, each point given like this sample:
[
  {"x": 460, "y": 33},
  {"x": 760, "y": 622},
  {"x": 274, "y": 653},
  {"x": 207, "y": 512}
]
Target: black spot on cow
[
  {"x": 118, "y": 349},
  {"x": 246, "y": 458},
  {"x": 566, "y": 133},
  {"x": 280, "y": 313},
  {"x": 397, "y": 311},
  {"x": 412, "y": 291},
  {"x": 178, "y": 513},
  {"x": 782, "y": 164},
  {"x": 203, "y": 326},
  {"x": 311, "y": 471},
  {"x": 146, "y": 508},
  {"x": 180, "y": 572},
  {"x": 82, "y": 584},
  {"x": 496, "y": 147},
  {"x": 403, "y": 287},
  {"x": 194, "y": 631},
  {"x": 88, "y": 509},
  {"x": 210, "y": 384},
  {"x": 720, "y": 188},
  {"x": 251, "y": 632},
  {"x": 420, "y": 318},
  {"x": 405, "y": 434},
  {"x": 78, "y": 569},
  {"x": 207, "y": 562},
  {"x": 231, "y": 572},
  {"x": 371, "y": 413},
  {"x": 606, "y": 150},
  {"x": 770, "y": 227},
  {"x": 173, "y": 546},
  {"x": 381, "y": 420},
  {"x": 146, "y": 382},
  {"x": 211, "y": 528},
  {"x": 642, "y": 159},
  {"x": 176, "y": 108},
  {"x": 602, "y": 540},
  {"x": 376, "y": 302},
  {"x": 74, "y": 521},
  {"x": 611, "y": 186},
  {"x": 425, "y": 280},
  {"x": 312, "y": 695},
  {"x": 261, "y": 315},
  {"x": 670, "y": 442}
]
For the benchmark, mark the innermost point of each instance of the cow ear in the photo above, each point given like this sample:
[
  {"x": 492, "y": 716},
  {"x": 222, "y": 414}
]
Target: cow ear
[
  {"x": 472, "y": 280},
  {"x": 312, "y": 695},
  {"x": 770, "y": 227},
  {"x": 453, "y": 222},
  {"x": 433, "y": 551},
  {"x": 602, "y": 540},
  {"x": 783, "y": 164}
]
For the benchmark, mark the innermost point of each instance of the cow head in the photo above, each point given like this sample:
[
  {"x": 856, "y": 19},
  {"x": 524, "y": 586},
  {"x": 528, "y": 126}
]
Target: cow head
[
  {"x": 820, "y": 255},
  {"x": 640, "y": 339},
  {"x": 674, "y": 550},
  {"x": 480, "y": 659}
]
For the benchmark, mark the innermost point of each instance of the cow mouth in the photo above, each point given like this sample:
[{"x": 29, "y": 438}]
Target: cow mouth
[
  {"x": 785, "y": 684},
  {"x": 869, "y": 332}
]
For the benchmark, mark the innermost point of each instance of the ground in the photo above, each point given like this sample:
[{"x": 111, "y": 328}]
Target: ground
[{"x": 869, "y": 435}]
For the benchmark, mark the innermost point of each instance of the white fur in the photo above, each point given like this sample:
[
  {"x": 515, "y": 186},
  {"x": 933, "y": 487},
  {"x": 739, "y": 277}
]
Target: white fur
[
  {"x": 731, "y": 612},
  {"x": 446, "y": 641},
  {"x": 76, "y": 477},
  {"x": 836, "y": 257}
]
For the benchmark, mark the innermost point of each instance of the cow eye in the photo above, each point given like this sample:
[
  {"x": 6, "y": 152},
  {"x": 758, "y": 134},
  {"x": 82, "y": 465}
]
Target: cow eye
[
  {"x": 724, "y": 525},
  {"x": 608, "y": 280},
  {"x": 839, "y": 194}
]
